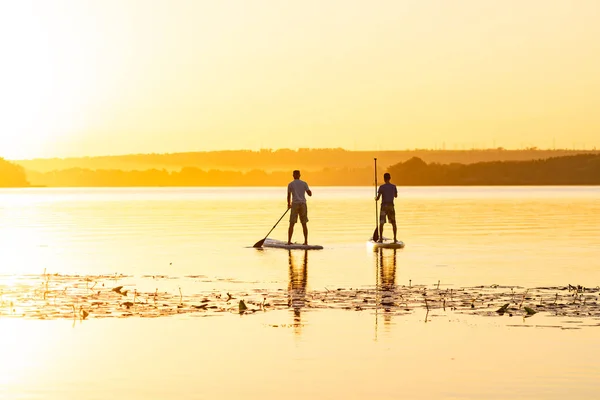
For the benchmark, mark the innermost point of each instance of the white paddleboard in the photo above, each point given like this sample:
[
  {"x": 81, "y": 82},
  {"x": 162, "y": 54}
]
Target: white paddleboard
[
  {"x": 280, "y": 244},
  {"x": 386, "y": 244}
]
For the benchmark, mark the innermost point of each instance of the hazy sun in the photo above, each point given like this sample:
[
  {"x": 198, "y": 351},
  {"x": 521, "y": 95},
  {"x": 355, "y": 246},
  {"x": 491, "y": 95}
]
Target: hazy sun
[{"x": 49, "y": 76}]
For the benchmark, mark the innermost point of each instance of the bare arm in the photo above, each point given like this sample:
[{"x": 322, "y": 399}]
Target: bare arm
[
  {"x": 288, "y": 198},
  {"x": 309, "y": 192}
]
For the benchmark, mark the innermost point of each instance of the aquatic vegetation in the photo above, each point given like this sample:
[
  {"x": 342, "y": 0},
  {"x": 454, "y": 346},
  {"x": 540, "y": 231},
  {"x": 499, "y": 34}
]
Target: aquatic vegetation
[
  {"x": 57, "y": 296},
  {"x": 242, "y": 306},
  {"x": 503, "y": 309},
  {"x": 529, "y": 311}
]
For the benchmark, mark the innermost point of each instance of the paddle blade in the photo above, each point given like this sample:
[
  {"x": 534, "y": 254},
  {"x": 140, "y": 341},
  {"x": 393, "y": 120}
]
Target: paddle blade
[
  {"x": 376, "y": 235},
  {"x": 259, "y": 243}
]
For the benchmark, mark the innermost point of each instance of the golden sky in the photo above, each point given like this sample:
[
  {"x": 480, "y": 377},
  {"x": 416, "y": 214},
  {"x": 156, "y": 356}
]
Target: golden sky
[{"x": 113, "y": 77}]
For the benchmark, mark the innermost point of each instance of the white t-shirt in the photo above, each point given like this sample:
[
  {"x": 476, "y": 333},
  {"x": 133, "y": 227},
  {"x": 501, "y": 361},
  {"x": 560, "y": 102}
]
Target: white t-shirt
[{"x": 297, "y": 188}]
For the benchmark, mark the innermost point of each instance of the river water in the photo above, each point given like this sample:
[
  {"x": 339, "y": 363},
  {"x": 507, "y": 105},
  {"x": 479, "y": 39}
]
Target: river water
[{"x": 188, "y": 242}]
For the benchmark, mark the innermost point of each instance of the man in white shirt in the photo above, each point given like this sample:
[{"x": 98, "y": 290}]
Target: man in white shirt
[{"x": 297, "y": 202}]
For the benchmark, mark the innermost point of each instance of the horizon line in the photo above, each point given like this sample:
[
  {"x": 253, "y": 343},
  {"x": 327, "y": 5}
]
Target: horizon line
[{"x": 299, "y": 149}]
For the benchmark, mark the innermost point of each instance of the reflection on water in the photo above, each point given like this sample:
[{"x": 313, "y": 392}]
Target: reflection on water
[
  {"x": 298, "y": 270},
  {"x": 386, "y": 270},
  {"x": 385, "y": 283}
]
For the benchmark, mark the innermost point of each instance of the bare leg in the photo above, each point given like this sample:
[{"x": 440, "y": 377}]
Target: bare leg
[
  {"x": 290, "y": 232},
  {"x": 305, "y": 231},
  {"x": 395, "y": 230},
  {"x": 381, "y": 232}
]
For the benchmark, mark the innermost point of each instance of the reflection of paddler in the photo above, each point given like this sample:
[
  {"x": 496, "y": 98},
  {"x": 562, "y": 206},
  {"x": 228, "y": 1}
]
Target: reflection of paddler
[
  {"x": 386, "y": 279},
  {"x": 297, "y": 284},
  {"x": 387, "y": 269}
]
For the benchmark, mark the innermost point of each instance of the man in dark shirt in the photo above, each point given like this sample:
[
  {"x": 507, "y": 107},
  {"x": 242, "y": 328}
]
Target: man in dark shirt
[{"x": 388, "y": 192}]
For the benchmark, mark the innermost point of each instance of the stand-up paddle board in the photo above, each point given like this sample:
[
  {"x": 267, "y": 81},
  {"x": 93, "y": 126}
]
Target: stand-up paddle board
[
  {"x": 386, "y": 244},
  {"x": 280, "y": 244}
]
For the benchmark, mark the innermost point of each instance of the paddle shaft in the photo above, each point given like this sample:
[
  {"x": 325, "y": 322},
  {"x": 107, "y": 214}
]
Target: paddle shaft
[
  {"x": 260, "y": 242},
  {"x": 376, "y": 233}
]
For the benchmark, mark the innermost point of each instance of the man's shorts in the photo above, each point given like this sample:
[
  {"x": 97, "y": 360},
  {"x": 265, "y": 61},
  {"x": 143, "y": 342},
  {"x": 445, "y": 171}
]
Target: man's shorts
[
  {"x": 298, "y": 209},
  {"x": 387, "y": 210}
]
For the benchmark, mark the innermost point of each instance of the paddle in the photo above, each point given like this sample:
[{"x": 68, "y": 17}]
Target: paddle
[
  {"x": 376, "y": 232},
  {"x": 262, "y": 241}
]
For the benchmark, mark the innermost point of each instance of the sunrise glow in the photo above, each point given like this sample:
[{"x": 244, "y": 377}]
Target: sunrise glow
[{"x": 118, "y": 77}]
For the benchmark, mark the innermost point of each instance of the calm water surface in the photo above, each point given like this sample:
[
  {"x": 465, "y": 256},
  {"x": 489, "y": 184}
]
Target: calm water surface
[{"x": 528, "y": 237}]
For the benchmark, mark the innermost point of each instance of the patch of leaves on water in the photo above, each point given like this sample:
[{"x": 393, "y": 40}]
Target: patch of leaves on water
[{"x": 54, "y": 296}]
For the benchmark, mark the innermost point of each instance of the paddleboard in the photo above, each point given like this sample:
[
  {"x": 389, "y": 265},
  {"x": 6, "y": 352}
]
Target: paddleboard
[
  {"x": 280, "y": 244},
  {"x": 386, "y": 244}
]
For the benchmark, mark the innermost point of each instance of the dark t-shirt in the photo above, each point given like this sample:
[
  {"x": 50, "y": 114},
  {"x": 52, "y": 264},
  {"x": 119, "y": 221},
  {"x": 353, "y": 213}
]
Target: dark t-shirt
[{"x": 388, "y": 192}]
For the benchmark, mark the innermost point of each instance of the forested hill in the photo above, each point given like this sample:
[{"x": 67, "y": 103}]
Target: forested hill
[
  {"x": 285, "y": 159},
  {"x": 12, "y": 175},
  {"x": 581, "y": 169}
]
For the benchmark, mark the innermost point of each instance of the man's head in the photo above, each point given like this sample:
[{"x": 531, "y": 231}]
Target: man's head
[
  {"x": 296, "y": 174},
  {"x": 386, "y": 177}
]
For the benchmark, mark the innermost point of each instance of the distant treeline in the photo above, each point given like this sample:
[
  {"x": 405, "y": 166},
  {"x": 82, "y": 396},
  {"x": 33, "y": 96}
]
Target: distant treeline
[
  {"x": 285, "y": 159},
  {"x": 12, "y": 175},
  {"x": 581, "y": 169}
]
